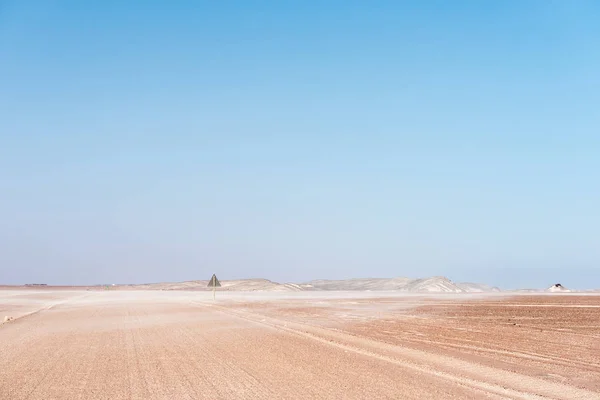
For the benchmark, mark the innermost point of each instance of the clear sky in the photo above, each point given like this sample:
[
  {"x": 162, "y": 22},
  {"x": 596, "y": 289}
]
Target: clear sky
[{"x": 145, "y": 141}]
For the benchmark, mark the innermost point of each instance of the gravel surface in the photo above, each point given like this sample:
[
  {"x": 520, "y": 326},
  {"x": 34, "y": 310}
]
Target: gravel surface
[{"x": 167, "y": 345}]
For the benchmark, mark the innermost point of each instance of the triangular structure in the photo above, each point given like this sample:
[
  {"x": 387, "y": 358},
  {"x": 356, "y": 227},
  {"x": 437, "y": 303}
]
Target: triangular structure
[{"x": 214, "y": 282}]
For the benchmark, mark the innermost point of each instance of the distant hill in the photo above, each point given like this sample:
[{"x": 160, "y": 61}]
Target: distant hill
[
  {"x": 358, "y": 284},
  {"x": 436, "y": 284},
  {"x": 234, "y": 285}
]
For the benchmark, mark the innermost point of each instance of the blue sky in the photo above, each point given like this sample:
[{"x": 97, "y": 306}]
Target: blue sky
[{"x": 151, "y": 141}]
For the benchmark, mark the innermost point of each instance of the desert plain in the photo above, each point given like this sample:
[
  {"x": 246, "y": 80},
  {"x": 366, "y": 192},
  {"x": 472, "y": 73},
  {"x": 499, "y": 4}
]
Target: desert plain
[{"x": 151, "y": 344}]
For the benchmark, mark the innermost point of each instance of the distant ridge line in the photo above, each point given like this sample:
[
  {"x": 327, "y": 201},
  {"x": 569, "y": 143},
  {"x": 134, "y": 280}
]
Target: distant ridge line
[{"x": 436, "y": 284}]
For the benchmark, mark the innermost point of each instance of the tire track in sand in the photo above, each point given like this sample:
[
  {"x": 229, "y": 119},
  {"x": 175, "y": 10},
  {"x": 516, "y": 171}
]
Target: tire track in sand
[{"x": 487, "y": 379}]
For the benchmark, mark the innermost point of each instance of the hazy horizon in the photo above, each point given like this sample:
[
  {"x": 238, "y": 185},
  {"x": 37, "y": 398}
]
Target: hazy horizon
[
  {"x": 522, "y": 280},
  {"x": 163, "y": 142}
]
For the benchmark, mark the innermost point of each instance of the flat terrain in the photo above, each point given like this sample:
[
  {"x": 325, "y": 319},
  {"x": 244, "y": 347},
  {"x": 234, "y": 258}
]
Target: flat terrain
[{"x": 321, "y": 345}]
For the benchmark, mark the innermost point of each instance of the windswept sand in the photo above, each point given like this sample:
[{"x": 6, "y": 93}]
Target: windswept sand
[{"x": 335, "y": 345}]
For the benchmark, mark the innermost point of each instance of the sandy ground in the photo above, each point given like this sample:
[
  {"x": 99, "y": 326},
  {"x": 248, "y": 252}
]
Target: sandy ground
[{"x": 333, "y": 345}]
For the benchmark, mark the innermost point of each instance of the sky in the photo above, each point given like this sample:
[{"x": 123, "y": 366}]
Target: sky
[{"x": 147, "y": 141}]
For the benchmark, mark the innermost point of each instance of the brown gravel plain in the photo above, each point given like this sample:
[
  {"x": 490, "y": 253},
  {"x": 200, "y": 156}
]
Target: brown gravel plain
[{"x": 305, "y": 345}]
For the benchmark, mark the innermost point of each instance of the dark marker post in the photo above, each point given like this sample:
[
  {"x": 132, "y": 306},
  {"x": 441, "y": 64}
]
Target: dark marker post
[{"x": 214, "y": 283}]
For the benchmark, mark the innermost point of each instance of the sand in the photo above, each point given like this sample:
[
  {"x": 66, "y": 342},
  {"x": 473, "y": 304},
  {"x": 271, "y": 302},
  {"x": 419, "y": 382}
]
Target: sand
[{"x": 297, "y": 345}]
